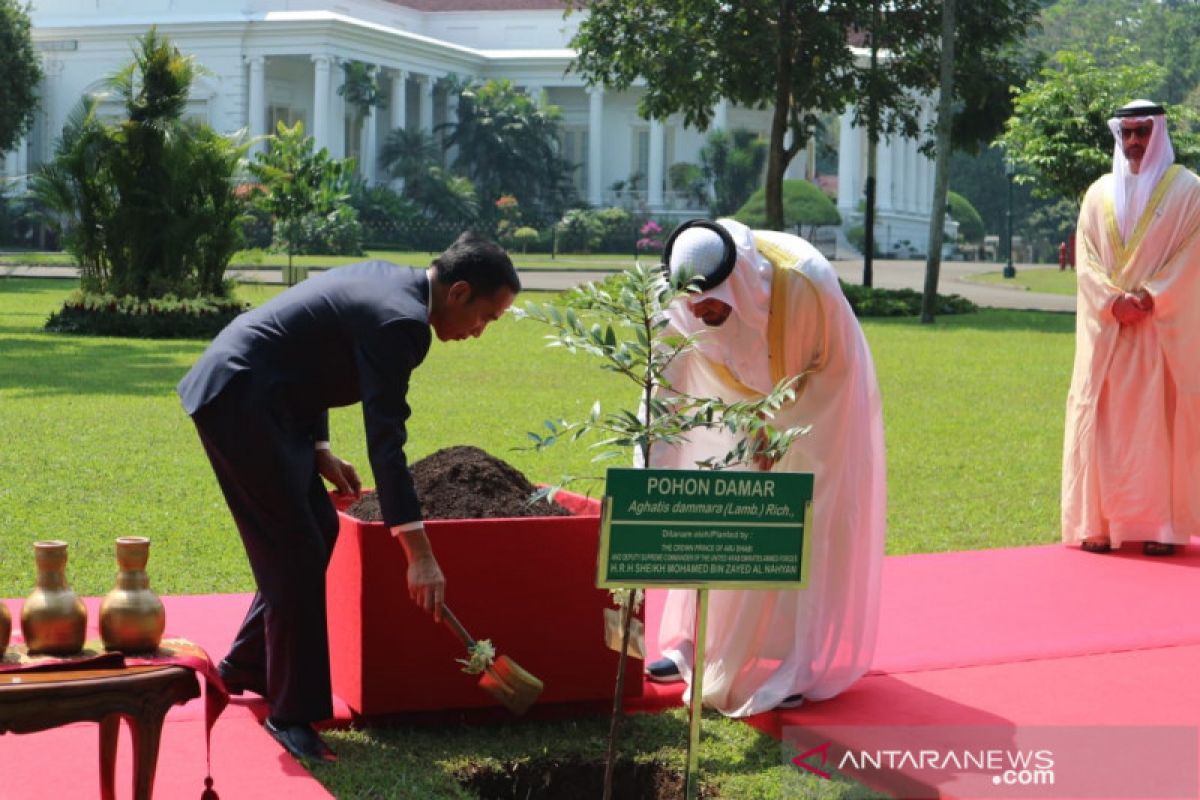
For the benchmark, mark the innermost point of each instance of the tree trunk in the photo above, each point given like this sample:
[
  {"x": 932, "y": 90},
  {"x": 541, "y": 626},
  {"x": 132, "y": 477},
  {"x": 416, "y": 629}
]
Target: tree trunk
[
  {"x": 937, "y": 212},
  {"x": 872, "y": 150},
  {"x": 777, "y": 159}
]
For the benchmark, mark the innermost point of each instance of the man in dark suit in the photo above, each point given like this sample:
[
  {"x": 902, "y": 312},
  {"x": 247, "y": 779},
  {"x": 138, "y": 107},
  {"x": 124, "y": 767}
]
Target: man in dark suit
[{"x": 259, "y": 397}]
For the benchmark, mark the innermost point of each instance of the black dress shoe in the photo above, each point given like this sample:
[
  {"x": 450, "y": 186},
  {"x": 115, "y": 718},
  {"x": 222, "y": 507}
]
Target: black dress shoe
[
  {"x": 791, "y": 701},
  {"x": 663, "y": 671},
  {"x": 299, "y": 739},
  {"x": 239, "y": 679}
]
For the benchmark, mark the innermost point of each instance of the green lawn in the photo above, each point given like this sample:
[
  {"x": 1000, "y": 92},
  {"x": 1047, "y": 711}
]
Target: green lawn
[
  {"x": 1050, "y": 280},
  {"x": 96, "y": 446}
]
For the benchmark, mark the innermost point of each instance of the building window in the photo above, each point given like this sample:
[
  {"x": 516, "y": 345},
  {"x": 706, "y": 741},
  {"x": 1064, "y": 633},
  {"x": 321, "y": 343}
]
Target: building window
[
  {"x": 574, "y": 147},
  {"x": 287, "y": 115}
]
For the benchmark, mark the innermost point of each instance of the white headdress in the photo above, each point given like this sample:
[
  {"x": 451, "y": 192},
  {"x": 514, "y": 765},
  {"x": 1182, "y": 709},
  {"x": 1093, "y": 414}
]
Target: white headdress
[
  {"x": 1132, "y": 192},
  {"x": 741, "y": 342}
]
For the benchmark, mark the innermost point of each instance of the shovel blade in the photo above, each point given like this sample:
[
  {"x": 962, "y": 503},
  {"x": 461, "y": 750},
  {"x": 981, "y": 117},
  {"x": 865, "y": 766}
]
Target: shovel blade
[{"x": 512, "y": 685}]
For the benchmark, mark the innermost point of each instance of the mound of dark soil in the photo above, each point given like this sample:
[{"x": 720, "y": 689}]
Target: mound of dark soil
[{"x": 466, "y": 483}]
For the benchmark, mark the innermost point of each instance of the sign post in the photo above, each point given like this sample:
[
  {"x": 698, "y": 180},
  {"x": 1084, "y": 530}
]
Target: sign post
[{"x": 702, "y": 529}]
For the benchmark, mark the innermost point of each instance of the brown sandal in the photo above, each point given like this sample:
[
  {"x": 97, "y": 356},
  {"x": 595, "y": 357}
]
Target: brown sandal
[
  {"x": 1158, "y": 548},
  {"x": 1095, "y": 546}
]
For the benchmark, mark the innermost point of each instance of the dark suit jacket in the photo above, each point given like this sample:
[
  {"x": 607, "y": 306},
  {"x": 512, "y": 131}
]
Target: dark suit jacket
[{"x": 350, "y": 334}]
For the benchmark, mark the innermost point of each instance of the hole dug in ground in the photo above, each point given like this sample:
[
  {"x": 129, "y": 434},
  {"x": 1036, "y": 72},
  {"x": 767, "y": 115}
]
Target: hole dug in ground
[{"x": 568, "y": 780}]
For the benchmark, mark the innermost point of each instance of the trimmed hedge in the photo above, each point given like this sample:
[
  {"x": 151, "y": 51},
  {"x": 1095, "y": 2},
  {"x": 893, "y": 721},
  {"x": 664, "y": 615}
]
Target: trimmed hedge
[
  {"x": 868, "y": 301},
  {"x": 160, "y": 318},
  {"x": 803, "y": 204}
]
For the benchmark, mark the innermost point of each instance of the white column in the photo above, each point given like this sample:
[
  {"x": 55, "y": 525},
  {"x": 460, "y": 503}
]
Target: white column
[
  {"x": 256, "y": 102},
  {"x": 370, "y": 125},
  {"x": 337, "y": 116},
  {"x": 914, "y": 158},
  {"x": 720, "y": 116},
  {"x": 321, "y": 90},
  {"x": 924, "y": 170},
  {"x": 398, "y": 104},
  {"x": 452, "y": 99},
  {"x": 850, "y": 156},
  {"x": 22, "y": 163},
  {"x": 795, "y": 168},
  {"x": 536, "y": 94},
  {"x": 654, "y": 181},
  {"x": 425, "y": 120},
  {"x": 883, "y": 186},
  {"x": 52, "y": 70},
  {"x": 595, "y": 143}
]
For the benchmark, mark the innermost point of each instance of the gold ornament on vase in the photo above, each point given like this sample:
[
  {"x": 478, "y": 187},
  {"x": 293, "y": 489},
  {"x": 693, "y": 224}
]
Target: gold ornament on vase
[
  {"x": 132, "y": 617},
  {"x": 53, "y": 618}
]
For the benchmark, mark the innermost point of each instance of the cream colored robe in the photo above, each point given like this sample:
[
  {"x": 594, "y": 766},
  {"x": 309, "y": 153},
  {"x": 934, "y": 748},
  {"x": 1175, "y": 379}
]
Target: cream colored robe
[
  {"x": 765, "y": 645},
  {"x": 1131, "y": 455}
]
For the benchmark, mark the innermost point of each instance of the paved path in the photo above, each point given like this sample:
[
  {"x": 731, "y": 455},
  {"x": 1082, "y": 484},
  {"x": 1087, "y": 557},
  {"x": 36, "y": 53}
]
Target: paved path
[{"x": 888, "y": 274}]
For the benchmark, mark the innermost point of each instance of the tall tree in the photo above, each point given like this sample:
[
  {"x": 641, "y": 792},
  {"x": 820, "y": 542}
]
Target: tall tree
[
  {"x": 787, "y": 55},
  {"x": 908, "y": 34},
  {"x": 1059, "y": 134},
  {"x": 945, "y": 120},
  {"x": 360, "y": 88},
  {"x": 148, "y": 203},
  {"x": 302, "y": 185},
  {"x": 20, "y": 74}
]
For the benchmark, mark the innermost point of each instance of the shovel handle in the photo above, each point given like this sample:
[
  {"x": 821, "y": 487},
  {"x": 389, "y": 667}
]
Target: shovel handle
[{"x": 453, "y": 624}]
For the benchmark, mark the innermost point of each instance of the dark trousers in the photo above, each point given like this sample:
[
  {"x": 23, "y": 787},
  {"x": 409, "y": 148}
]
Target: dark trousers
[{"x": 267, "y": 472}]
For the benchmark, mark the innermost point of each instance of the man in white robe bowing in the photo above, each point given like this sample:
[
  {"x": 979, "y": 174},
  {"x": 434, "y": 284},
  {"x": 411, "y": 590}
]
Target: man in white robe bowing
[
  {"x": 1131, "y": 454},
  {"x": 771, "y": 307}
]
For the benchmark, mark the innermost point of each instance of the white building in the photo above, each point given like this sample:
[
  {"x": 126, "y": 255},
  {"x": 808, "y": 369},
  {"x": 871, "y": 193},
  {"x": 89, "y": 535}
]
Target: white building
[{"x": 271, "y": 60}]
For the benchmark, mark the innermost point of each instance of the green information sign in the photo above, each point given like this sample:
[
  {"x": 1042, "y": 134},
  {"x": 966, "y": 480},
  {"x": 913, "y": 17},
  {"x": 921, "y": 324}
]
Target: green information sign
[{"x": 705, "y": 529}]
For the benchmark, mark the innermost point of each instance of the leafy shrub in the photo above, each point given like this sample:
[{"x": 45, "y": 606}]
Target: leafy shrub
[
  {"x": 803, "y": 204},
  {"x": 970, "y": 224},
  {"x": 868, "y": 301},
  {"x": 525, "y": 236},
  {"x": 165, "y": 317},
  {"x": 334, "y": 233},
  {"x": 579, "y": 231}
]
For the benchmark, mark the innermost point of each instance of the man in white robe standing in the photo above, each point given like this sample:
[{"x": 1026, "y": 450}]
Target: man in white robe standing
[
  {"x": 770, "y": 307},
  {"x": 1132, "y": 446}
]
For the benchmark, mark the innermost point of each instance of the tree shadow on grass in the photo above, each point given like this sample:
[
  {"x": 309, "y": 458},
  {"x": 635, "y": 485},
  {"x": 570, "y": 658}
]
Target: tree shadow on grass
[{"x": 46, "y": 365}]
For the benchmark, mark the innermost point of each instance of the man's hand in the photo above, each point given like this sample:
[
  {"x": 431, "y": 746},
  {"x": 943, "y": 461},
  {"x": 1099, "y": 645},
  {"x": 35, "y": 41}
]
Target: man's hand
[
  {"x": 338, "y": 472},
  {"x": 1131, "y": 308},
  {"x": 427, "y": 585}
]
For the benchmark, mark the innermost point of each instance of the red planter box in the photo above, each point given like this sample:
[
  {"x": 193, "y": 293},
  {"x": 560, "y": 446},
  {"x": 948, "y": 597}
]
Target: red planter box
[{"x": 528, "y": 584}]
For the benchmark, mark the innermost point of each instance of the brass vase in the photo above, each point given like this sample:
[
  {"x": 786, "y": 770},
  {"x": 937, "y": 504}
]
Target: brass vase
[
  {"x": 132, "y": 617},
  {"x": 53, "y": 618},
  {"x": 5, "y": 626}
]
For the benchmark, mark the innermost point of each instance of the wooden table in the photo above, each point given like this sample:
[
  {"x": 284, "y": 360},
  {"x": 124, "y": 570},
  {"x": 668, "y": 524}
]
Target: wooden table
[{"x": 142, "y": 695}]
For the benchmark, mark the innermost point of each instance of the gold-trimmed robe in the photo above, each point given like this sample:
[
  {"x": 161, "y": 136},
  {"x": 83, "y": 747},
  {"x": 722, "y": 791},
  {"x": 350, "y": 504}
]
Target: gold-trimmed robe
[
  {"x": 1131, "y": 452},
  {"x": 763, "y": 646}
]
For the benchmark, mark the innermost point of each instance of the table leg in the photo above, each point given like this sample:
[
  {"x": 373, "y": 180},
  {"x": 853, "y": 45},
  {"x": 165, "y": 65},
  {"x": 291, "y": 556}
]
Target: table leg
[
  {"x": 110, "y": 727},
  {"x": 147, "y": 730}
]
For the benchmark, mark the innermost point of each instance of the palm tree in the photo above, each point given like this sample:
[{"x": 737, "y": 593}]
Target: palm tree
[
  {"x": 734, "y": 163},
  {"x": 414, "y": 157},
  {"x": 508, "y": 144}
]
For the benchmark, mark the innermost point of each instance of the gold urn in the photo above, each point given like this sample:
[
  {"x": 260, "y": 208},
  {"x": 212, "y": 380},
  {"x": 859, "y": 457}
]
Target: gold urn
[
  {"x": 53, "y": 618},
  {"x": 5, "y": 626},
  {"x": 132, "y": 617}
]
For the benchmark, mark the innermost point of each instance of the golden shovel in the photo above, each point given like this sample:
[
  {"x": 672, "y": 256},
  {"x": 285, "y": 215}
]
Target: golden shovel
[{"x": 504, "y": 678}]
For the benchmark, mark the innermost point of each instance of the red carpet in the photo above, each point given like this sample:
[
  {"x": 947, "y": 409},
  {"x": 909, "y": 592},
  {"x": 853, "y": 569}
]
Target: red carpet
[{"x": 1004, "y": 639}]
